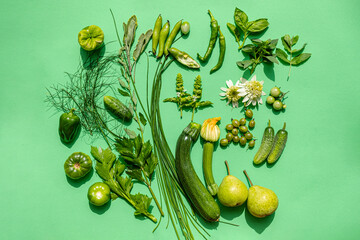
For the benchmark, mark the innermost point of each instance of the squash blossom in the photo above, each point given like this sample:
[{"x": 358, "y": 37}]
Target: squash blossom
[{"x": 209, "y": 130}]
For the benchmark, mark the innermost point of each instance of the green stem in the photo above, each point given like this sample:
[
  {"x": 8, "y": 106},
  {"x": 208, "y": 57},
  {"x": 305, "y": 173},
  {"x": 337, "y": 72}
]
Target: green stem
[
  {"x": 148, "y": 184},
  {"x": 243, "y": 42}
]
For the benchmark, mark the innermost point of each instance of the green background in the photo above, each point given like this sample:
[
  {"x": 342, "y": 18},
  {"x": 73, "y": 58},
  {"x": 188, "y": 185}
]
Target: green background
[{"x": 316, "y": 179}]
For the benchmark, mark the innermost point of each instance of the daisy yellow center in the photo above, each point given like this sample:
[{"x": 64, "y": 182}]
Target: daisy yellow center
[
  {"x": 255, "y": 88},
  {"x": 232, "y": 93}
]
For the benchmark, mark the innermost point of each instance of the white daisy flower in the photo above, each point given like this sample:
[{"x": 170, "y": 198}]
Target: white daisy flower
[
  {"x": 231, "y": 93},
  {"x": 251, "y": 91}
]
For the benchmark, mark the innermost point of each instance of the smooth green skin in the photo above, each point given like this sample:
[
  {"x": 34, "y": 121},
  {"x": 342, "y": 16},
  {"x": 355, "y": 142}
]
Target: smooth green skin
[
  {"x": 251, "y": 143},
  {"x": 222, "y": 44},
  {"x": 185, "y": 28},
  {"x": 232, "y": 192},
  {"x": 77, "y": 165},
  {"x": 243, "y": 141},
  {"x": 91, "y": 38},
  {"x": 275, "y": 92},
  {"x": 214, "y": 33},
  {"x": 236, "y": 139},
  {"x": 252, "y": 124},
  {"x": 156, "y": 34},
  {"x": 171, "y": 37},
  {"x": 229, "y": 136},
  {"x": 277, "y": 105},
  {"x": 162, "y": 38},
  {"x": 201, "y": 199},
  {"x": 207, "y": 168},
  {"x": 242, "y": 121},
  {"x": 224, "y": 142},
  {"x": 243, "y": 129},
  {"x": 261, "y": 201},
  {"x": 117, "y": 108},
  {"x": 99, "y": 194},
  {"x": 235, "y": 131},
  {"x": 248, "y": 136},
  {"x": 69, "y": 126},
  {"x": 229, "y": 127},
  {"x": 270, "y": 100},
  {"x": 235, "y": 123},
  {"x": 266, "y": 145},
  {"x": 278, "y": 145},
  {"x": 183, "y": 58},
  {"x": 249, "y": 113}
]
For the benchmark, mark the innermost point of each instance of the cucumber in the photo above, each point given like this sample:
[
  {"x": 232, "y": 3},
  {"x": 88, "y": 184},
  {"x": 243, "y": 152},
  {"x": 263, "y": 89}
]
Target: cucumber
[
  {"x": 266, "y": 145},
  {"x": 200, "y": 198},
  {"x": 117, "y": 108},
  {"x": 279, "y": 145}
]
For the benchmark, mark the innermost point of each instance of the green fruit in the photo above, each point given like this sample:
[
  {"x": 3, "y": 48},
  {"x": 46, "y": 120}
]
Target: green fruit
[
  {"x": 224, "y": 142},
  {"x": 235, "y": 131},
  {"x": 229, "y": 136},
  {"x": 249, "y": 113},
  {"x": 117, "y": 108},
  {"x": 252, "y": 124},
  {"x": 284, "y": 106},
  {"x": 235, "y": 123},
  {"x": 277, "y": 105},
  {"x": 236, "y": 139},
  {"x": 270, "y": 100},
  {"x": 248, "y": 136},
  {"x": 91, "y": 38},
  {"x": 278, "y": 145},
  {"x": 275, "y": 92},
  {"x": 261, "y": 201},
  {"x": 243, "y": 141},
  {"x": 185, "y": 27},
  {"x": 251, "y": 143},
  {"x": 77, "y": 165},
  {"x": 99, "y": 194},
  {"x": 229, "y": 127},
  {"x": 242, "y": 121},
  {"x": 232, "y": 191},
  {"x": 266, "y": 145},
  {"x": 243, "y": 129}
]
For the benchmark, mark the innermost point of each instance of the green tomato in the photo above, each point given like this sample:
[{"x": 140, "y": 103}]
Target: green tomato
[
  {"x": 185, "y": 28},
  {"x": 275, "y": 92},
  {"x": 99, "y": 194},
  {"x": 278, "y": 105},
  {"x": 77, "y": 165},
  {"x": 91, "y": 38},
  {"x": 270, "y": 100}
]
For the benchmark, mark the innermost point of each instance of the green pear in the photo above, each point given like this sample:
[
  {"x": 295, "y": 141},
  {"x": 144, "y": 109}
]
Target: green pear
[
  {"x": 232, "y": 191},
  {"x": 262, "y": 201}
]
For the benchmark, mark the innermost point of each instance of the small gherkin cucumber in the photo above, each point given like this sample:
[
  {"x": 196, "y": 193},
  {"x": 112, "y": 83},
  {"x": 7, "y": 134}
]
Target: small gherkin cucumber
[
  {"x": 266, "y": 145},
  {"x": 117, "y": 108},
  {"x": 279, "y": 145}
]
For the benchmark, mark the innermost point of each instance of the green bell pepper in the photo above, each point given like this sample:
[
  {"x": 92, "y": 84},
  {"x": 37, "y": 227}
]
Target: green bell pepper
[{"x": 69, "y": 126}]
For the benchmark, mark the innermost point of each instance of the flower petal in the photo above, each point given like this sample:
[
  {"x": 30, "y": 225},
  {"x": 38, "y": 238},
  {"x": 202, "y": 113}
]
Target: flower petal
[
  {"x": 229, "y": 83},
  {"x": 245, "y": 99},
  {"x": 222, "y": 94},
  {"x": 260, "y": 101},
  {"x": 243, "y": 80},
  {"x": 253, "y": 102},
  {"x": 263, "y": 93},
  {"x": 223, "y": 89},
  {"x": 253, "y": 78}
]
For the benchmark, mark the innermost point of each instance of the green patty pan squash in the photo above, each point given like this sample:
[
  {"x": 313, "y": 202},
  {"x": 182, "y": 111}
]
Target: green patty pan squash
[
  {"x": 77, "y": 165},
  {"x": 91, "y": 38}
]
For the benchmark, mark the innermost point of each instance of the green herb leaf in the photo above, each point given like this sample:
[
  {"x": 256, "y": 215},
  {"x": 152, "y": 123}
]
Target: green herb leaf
[
  {"x": 295, "y": 51},
  {"x": 258, "y": 25},
  {"x": 130, "y": 133},
  {"x": 204, "y": 104},
  {"x": 150, "y": 165},
  {"x": 133, "y": 99},
  {"x": 286, "y": 42},
  {"x": 135, "y": 174},
  {"x": 141, "y": 45},
  {"x": 235, "y": 31},
  {"x": 142, "y": 119},
  {"x": 124, "y": 93},
  {"x": 170, "y": 100},
  {"x": 142, "y": 203},
  {"x": 125, "y": 183},
  {"x": 129, "y": 32},
  {"x": 273, "y": 43},
  {"x": 123, "y": 84},
  {"x": 248, "y": 48},
  {"x": 282, "y": 55},
  {"x": 241, "y": 19},
  {"x": 256, "y": 41},
  {"x": 272, "y": 59},
  {"x": 294, "y": 40},
  {"x": 244, "y": 64},
  {"x": 300, "y": 58}
]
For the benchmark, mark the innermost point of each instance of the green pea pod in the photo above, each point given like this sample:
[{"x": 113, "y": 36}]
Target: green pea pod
[
  {"x": 183, "y": 58},
  {"x": 163, "y": 35},
  {"x": 156, "y": 34},
  {"x": 171, "y": 37},
  {"x": 222, "y": 52},
  {"x": 69, "y": 126},
  {"x": 279, "y": 145},
  {"x": 214, "y": 33}
]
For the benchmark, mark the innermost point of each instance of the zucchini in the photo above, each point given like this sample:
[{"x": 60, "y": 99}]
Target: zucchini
[
  {"x": 200, "y": 198},
  {"x": 279, "y": 145},
  {"x": 266, "y": 145},
  {"x": 207, "y": 168},
  {"x": 117, "y": 108}
]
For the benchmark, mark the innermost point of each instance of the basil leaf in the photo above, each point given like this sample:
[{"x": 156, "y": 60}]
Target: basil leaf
[
  {"x": 282, "y": 55},
  {"x": 272, "y": 59},
  {"x": 295, "y": 51},
  {"x": 256, "y": 41},
  {"x": 286, "y": 42},
  {"x": 294, "y": 40},
  {"x": 235, "y": 31},
  {"x": 244, "y": 64},
  {"x": 124, "y": 93},
  {"x": 241, "y": 19},
  {"x": 248, "y": 48},
  {"x": 258, "y": 25},
  {"x": 273, "y": 43},
  {"x": 300, "y": 58}
]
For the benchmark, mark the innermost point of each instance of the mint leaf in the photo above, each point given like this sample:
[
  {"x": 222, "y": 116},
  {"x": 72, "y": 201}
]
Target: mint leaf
[
  {"x": 300, "y": 58},
  {"x": 294, "y": 40},
  {"x": 282, "y": 55},
  {"x": 295, "y": 51},
  {"x": 272, "y": 59},
  {"x": 286, "y": 42}
]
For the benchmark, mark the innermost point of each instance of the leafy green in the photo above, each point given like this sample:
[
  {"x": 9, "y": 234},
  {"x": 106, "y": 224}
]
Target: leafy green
[
  {"x": 296, "y": 57},
  {"x": 142, "y": 42},
  {"x": 259, "y": 51},
  {"x": 110, "y": 169},
  {"x": 245, "y": 26}
]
